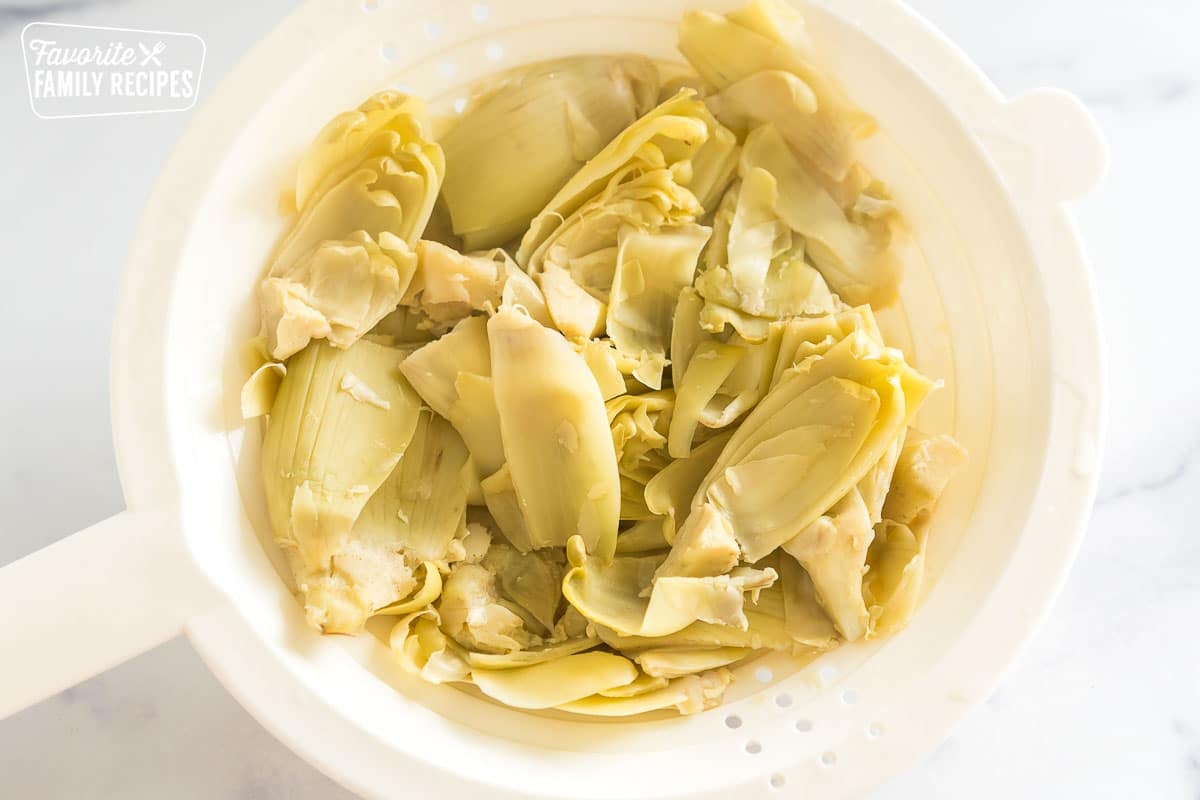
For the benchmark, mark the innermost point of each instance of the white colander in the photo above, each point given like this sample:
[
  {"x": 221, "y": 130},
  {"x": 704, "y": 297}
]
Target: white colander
[{"x": 999, "y": 305}]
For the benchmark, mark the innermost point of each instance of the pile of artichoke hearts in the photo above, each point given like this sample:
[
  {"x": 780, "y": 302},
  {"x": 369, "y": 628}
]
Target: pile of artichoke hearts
[{"x": 583, "y": 399}]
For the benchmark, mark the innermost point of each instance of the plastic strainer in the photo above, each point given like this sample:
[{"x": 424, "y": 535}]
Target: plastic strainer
[{"x": 999, "y": 305}]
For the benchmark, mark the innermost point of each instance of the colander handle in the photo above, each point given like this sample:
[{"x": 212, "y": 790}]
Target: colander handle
[{"x": 92, "y": 600}]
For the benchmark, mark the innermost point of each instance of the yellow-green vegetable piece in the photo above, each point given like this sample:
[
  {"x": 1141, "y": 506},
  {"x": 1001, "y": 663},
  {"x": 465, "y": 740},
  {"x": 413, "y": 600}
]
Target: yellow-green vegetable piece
[
  {"x": 428, "y": 591},
  {"x": 652, "y": 268},
  {"x": 325, "y": 453},
  {"x": 523, "y": 139},
  {"x": 454, "y": 376},
  {"x": 833, "y": 551},
  {"x": 422, "y": 505},
  {"x": 643, "y": 684},
  {"x": 625, "y": 596},
  {"x": 704, "y": 546},
  {"x": 337, "y": 291},
  {"x": 643, "y": 537},
  {"x": 639, "y": 424},
  {"x": 804, "y": 618},
  {"x": 925, "y": 466},
  {"x": 643, "y": 175},
  {"x": 896, "y": 567},
  {"x": 348, "y": 133},
  {"x": 678, "y": 601},
  {"x": 676, "y": 662},
  {"x": 709, "y": 368},
  {"x": 501, "y": 499},
  {"x": 805, "y": 337},
  {"x": 761, "y": 275},
  {"x": 690, "y": 694},
  {"x": 389, "y": 184},
  {"x": 532, "y": 580},
  {"x": 537, "y": 655},
  {"x": 404, "y": 327},
  {"x": 554, "y": 683},
  {"x": 472, "y": 614},
  {"x": 556, "y": 436},
  {"x": 769, "y": 35},
  {"x": 425, "y": 651},
  {"x": 718, "y": 378},
  {"x": 607, "y": 365},
  {"x": 824, "y": 425},
  {"x": 669, "y": 493},
  {"x": 259, "y": 390},
  {"x": 860, "y": 260}
]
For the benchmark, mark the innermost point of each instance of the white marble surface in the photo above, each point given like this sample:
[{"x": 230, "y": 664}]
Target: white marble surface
[{"x": 1104, "y": 703}]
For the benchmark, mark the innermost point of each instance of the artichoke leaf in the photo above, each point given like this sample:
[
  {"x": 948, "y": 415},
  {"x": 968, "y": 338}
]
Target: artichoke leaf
[
  {"x": 532, "y": 580},
  {"x": 388, "y": 185},
  {"x": 554, "y": 427},
  {"x": 805, "y": 618},
  {"x": 768, "y": 36},
  {"x": 690, "y": 694},
  {"x": 472, "y": 614},
  {"x": 670, "y": 135},
  {"x": 861, "y": 262},
  {"x": 652, "y": 268},
  {"x": 924, "y": 467},
  {"x": 555, "y": 683},
  {"x": 549, "y": 119},
  {"x": 453, "y": 375},
  {"x": 669, "y": 493},
  {"x": 895, "y": 571},
  {"x": 350, "y": 131},
  {"x": 324, "y": 454},
  {"x": 422, "y": 505},
  {"x": 670, "y": 662}
]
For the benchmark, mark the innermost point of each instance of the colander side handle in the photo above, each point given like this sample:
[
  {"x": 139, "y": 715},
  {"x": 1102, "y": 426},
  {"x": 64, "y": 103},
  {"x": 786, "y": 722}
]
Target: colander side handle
[{"x": 92, "y": 600}]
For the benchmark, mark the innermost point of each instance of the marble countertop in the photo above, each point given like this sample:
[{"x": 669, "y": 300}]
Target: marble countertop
[{"x": 1104, "y": 703}]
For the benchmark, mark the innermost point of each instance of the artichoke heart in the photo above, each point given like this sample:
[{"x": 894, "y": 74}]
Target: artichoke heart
[
  {"x": 453, "y": 375},
  {"x": 555, "y": 434},
  {"x": 422, "y": 505},
  {"x": 652, "y": 269},
  {"x": 523, "y": 139},
  {"x": 329, "y": 446},
  {"x": 768, "y": 36},
  {"x": 810, "y": 440},
  {"x": 761, "y": 275},
  {"x": 860, "y": 260},
  {"x": 388, "y": 183},
  {"x": 338, "y": 291}
]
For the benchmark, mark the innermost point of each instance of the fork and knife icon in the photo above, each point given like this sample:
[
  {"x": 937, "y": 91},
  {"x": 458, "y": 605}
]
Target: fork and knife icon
[{"x": 151, "y": 55}]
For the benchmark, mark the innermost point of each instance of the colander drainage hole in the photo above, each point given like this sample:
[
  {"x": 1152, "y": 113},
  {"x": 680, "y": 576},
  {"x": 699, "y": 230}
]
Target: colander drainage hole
[
  {"x": 784, "y": 700},
  {"x": 447, "y": 69},
  {"x": 733, "y": 722},
  {"x": 370, "y": 6},
  {"x": 763, "y": 675},
  {"x": 804, "y": 725},
  {"x": 387, "y": 51},
  {"x": 460, "y": 105},
  {"x": 431, "y": 29},
  {"x": 849, "y": 697},
  {"x": 828, "y": 758},
  {"x": 494, "y": 52},
  {"x": 874, "y": 730},
  {"x": 480, "y": 12},
  {"x": 777, "y": 781},
  {"x": 753, "y": 748},
  {"x": 828, "y": 674}
]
